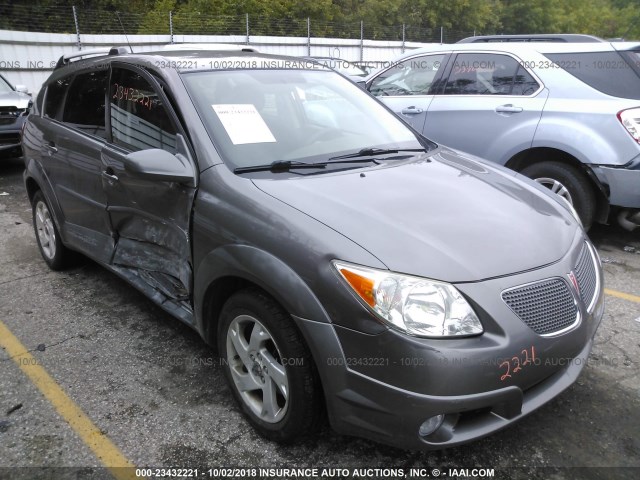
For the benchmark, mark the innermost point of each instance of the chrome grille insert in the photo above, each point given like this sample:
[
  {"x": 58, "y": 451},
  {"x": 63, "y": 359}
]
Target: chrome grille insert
[
  {"x": 547, "y": 306},
  {"x": 585, "y": 271}
]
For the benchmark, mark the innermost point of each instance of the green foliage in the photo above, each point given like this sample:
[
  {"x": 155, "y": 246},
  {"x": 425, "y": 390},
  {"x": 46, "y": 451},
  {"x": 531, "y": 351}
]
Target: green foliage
[
  {"x": 605, "y": 18},
  {"x": 382, "y": 18}
]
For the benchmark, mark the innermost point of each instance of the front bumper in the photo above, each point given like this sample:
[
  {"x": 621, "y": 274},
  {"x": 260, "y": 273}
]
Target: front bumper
[
  {"x": 623, "y": 183},
  {"x": 384, "y": 386},
  {"x": 381, "y": 412}
]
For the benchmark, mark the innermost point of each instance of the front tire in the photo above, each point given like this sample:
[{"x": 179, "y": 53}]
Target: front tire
[
  {"x": 570, "y": 183},
  {"x": 269, "y": 367}
]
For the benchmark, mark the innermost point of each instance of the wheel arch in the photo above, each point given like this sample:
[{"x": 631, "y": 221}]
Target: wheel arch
[
  {"x": 36, "y": 179},
  {"x": 535, "y": 155},
  {"x": 32, "y": 187},
  {"x": 232, "y": 268}
]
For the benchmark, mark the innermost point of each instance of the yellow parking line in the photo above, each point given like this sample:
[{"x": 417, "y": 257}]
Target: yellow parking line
[
  {"x": 625, "y": 296},
  {"x": 108, "y": 454}
]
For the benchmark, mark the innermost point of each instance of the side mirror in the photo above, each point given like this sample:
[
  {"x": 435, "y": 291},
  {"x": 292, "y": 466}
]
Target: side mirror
[
  {"x": 22, "y": 89},
  {"x": 362, "y": 84},
  {"x": 158, "y": 164}
]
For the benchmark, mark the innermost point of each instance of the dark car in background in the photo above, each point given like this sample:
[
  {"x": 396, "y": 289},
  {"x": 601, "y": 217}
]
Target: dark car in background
[
  {"x": 337, "y": 259},
  {"x": 15, "y": 103}
]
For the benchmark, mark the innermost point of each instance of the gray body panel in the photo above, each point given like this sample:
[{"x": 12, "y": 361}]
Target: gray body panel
[{"x": 429, "y": 221}]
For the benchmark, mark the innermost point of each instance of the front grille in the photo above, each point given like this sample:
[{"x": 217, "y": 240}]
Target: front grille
[
  {"x": 9, "y": 138},
  {"x": 9, "y": 115},
  {"x": 546, "y": 306},
  {"x": 10, "y": 110},
  {"x": 586, "y": 276}
]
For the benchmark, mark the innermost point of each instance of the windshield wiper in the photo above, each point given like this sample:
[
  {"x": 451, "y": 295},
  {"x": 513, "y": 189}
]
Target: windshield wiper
[
  {"x": 279, "y": 166},
  {"x": 286, "y": 165},
  {"x": 369, "y": 152}
]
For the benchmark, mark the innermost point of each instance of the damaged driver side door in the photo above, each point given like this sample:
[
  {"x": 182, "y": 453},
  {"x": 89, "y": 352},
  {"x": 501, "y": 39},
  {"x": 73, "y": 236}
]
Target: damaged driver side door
[{"x": 149, "y": 177}]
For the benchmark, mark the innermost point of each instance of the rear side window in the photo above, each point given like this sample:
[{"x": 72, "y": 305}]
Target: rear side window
[
  {"x": 84, "y": 106},
  {"x": 524, "y": 83},
  {"x": 488, "y": 74},
  {"x": 139, "y": 118},
  {"x": 55, "y": 96},
  {"x": 608, "y": 72},
  {"x": 414, "y": 76}
]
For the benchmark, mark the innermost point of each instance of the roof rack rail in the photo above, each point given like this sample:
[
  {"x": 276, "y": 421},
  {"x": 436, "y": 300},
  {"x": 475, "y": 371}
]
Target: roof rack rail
[
  {"x": 66, "y": 59},
  {"x": 220, "y": 47},
  {"x": 536, "y": 37}
]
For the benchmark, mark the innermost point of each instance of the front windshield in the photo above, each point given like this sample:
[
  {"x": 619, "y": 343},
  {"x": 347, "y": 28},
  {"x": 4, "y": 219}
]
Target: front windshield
[
  {"x": 256, "y": 117},
  {"x": 4, "y": 86}
]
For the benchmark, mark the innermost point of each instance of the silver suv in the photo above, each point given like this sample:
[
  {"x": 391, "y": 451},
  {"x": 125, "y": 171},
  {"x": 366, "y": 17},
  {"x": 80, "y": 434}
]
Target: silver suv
[{"x": 564, "y": 114}]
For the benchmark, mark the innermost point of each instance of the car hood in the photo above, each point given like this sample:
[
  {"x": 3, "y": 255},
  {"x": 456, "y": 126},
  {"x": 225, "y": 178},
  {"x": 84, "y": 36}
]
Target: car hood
[
  {"x": 443, "y": 216},
  {"x": 14, "y": 99}
]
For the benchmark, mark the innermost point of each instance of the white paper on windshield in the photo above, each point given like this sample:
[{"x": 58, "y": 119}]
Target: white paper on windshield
[{"x": 243, "y": 123}]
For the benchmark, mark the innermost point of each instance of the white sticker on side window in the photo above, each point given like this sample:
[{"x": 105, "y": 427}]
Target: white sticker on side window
[{"x": 243, "y": 123}]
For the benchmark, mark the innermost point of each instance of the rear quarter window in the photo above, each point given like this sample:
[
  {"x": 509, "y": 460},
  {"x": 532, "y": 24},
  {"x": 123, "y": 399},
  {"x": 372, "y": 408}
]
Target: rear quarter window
[
  {"x": 608, "y": 72},
  {"x": 54, "y": 97}
]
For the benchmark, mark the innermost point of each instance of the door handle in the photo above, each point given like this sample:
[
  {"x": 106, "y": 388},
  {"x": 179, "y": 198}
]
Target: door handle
[
  {"x": 51, "y": 147},
  {"x": 411, "y": 111},
  {"x": 509, "y": 108},
  {"x": 110, "y": 175}
]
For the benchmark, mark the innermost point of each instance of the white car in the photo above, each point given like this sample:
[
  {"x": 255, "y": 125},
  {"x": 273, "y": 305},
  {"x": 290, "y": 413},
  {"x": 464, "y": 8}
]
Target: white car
[{"x": 15, "y": 103}]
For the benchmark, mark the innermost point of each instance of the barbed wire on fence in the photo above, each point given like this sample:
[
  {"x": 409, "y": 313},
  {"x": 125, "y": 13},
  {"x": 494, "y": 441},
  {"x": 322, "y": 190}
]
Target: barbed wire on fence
[{"x": 70, "y": 20}]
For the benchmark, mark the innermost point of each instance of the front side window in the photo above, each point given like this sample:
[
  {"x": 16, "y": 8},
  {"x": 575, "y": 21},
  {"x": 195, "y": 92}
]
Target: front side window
[
  {"x": 139, "y": 118},
  {"x": 413, "y": 76},
  {"x": 487, "y": 74},
  {"x": 84, "y": 106},
  {"x": 256, "y": 117}
]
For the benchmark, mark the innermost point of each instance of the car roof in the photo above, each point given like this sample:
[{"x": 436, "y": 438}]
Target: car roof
[
  {"x": 524, "y": 47},
  {"x": 184, "y": 60},
  {"x": 320, "y": 57}
]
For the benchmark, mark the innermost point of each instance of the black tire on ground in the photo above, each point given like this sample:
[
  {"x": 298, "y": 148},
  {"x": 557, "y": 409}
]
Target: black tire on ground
[
  {"x": 574, "y": 180},
  {"x": 269, "y": 367},
  {"x": 54, "y": 253}
]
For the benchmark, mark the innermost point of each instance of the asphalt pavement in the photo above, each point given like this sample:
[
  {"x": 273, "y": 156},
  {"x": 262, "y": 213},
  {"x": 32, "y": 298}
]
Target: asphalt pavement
[{"x": 151, "y": 389}]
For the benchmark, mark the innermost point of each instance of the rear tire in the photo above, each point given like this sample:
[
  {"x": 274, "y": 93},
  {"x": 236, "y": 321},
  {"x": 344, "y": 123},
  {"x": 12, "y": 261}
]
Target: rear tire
[
  {"x": 269, "y": 367},
  {"x": 54, "y": 253},
  {"x": 570, "y": 183}
]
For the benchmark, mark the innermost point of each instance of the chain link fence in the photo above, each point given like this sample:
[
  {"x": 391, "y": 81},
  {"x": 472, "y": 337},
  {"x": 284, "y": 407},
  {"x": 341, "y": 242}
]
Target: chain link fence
[{"x": 74, "y": 20}]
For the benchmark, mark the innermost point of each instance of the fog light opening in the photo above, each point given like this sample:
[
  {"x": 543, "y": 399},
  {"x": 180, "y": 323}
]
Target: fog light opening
[{"x": 430, "y": 425}]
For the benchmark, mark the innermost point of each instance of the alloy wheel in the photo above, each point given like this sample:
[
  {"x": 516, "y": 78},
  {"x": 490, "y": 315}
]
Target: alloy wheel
[{"x": 257, "y": 368}]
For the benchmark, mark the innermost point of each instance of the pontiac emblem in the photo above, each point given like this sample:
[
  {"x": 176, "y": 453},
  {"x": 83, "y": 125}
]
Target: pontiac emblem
[{"x": 574, "y": 281}]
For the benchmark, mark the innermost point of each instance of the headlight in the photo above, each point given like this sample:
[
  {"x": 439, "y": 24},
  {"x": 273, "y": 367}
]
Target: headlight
[{"x": 417, "y": 306}]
